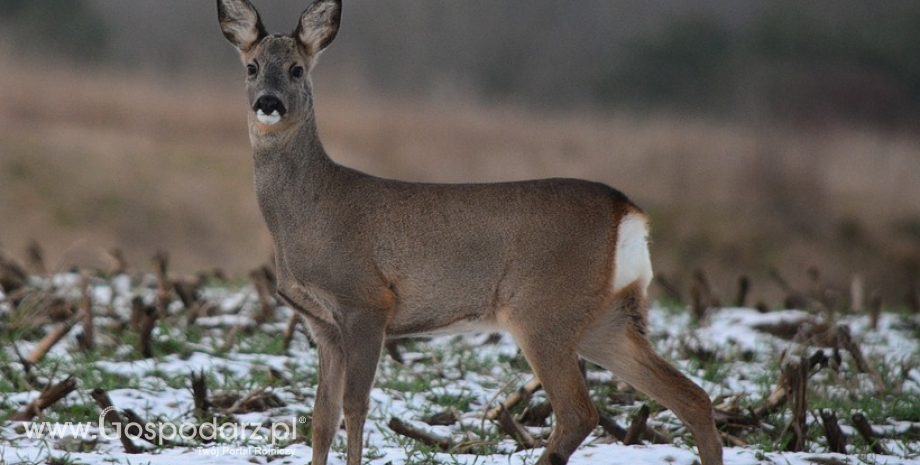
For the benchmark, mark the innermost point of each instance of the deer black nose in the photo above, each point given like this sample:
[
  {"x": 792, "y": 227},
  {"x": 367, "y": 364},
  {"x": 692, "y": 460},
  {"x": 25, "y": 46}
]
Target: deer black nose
[{"x": 269, "y": 104}]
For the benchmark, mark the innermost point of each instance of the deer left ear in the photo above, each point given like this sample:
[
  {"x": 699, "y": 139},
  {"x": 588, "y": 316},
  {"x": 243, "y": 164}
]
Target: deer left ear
[{"x": 318, "y": 25}]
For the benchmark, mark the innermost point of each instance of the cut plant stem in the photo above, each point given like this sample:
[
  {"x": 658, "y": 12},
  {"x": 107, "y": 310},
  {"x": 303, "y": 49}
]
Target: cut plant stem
[
  {"x": 524, "y": 393},
  {"x": 514, "y": 429},
  {"x": 797, "y": 379},
  {"x": 87, "y": 339},
  {"x": 200, "y": 394},
  {"x": 52, "y": 338},
  {"x": 112, "y": 416},
  {"x": 160, "y": 264},
  {"x": 865, "y": 430},
  {"x": 48, "y": 397},
  {"x": 836, "y": 440},
  {"x": 637, "y": 427},
  {"x": 148, "y": 321},
  {"x": 845, "y": 340},
  {"x": 426, "y": 438},
  {"x": 289, "y": 332},
  {"x": 262, "y": 281}
]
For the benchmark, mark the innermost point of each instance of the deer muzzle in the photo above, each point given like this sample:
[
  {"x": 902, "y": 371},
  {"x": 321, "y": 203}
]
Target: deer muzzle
[{"x": 269, "y": 109}]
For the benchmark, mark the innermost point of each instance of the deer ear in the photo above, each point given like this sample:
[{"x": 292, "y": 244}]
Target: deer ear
[
  {"x": 318, "y": 25},
  {"x": 240, "y": 23}
]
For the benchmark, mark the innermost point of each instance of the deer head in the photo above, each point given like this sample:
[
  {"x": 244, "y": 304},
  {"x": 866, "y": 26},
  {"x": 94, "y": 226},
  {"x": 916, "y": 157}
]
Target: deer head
[{"x": 278, "y": 66}]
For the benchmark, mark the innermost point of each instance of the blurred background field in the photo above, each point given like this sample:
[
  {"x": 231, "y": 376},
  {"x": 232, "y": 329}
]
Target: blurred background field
[{"x": 763, "y": 137}]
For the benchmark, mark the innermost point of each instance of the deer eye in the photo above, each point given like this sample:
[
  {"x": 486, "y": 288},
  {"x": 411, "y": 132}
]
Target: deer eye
[
  {"x": 297, "y": 71},
  {"x": 252, "y": 69}
]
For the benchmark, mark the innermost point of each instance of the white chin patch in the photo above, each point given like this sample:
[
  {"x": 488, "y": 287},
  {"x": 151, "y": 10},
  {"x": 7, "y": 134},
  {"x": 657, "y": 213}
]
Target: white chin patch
[{"x": 269, "y": 120}]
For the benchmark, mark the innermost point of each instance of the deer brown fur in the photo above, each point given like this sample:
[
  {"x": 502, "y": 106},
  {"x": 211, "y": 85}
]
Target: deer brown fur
[{"x": 560, "y": 264}]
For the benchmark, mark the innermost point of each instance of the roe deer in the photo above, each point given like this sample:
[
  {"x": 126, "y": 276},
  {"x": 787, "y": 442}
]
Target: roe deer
[{"x": 561, "y": 264}]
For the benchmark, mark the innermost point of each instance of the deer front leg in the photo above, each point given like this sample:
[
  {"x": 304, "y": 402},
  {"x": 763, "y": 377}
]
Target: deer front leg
[
  {"x": 318, "y": 309},
  {"x": 363, "y": 334},
  {"x": 327, "y": 408}
]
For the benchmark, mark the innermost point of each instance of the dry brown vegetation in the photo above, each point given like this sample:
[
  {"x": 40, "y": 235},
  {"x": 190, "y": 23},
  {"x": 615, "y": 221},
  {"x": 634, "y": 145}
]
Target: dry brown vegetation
[{"x": 91, "y": 159}]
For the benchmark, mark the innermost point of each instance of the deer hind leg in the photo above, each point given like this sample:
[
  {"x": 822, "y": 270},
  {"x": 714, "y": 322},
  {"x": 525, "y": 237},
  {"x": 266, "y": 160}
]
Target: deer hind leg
[
  {"x": 618, "y": 343},
  {"x": 550, "y": 351}
]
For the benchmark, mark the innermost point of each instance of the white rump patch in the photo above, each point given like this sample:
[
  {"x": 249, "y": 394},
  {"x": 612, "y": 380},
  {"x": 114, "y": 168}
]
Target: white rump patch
[
  {"x": 269, "y": 120},
  {"x": 632, "y": 262}
]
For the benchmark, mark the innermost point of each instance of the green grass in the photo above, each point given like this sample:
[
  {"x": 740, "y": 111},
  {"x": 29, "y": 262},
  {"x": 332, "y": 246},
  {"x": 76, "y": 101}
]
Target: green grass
[
  {"x": 158, "y": 378},
  {"x": 259, "y": 343},
  {"x": 877, "y": 408},
  {"x": 176, "y": 340},
  {"x": 85, "y": 370},
  {"x": 462, "y": 401},
  {"x": 407, "y": 383},
  {"x": 81, "y": 410},
  {"x": 715, "y": 370},
  {"x": 13, "y": 377}
]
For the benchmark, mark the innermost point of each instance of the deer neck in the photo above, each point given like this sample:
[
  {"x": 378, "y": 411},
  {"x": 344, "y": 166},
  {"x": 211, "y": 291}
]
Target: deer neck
[
  {"x": 292, "y": 172},
  {"x": 287, "y": 145}
]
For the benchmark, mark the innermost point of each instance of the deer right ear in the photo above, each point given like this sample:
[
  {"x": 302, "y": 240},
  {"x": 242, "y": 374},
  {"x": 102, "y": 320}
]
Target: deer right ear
[{"x": 240, "y": 23}]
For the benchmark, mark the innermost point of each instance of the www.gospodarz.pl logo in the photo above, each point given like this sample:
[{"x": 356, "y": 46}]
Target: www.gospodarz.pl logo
[{"x": 186, "y": 433}]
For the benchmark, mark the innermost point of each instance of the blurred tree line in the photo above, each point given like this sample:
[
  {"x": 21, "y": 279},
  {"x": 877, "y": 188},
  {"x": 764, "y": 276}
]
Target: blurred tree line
[
  {"x": 62, "y": 27},
  {"x": 786, "y": 63},
  {"x": 806, "y": 61}
]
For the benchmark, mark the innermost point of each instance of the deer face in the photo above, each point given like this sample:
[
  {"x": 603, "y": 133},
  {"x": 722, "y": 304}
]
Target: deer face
[
  {"x": 277, "y": 85},
  {"x": 277, "y": 66}
]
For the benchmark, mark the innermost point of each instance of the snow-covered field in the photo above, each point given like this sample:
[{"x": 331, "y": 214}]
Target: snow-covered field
[{"x": 268, "y": 393}]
